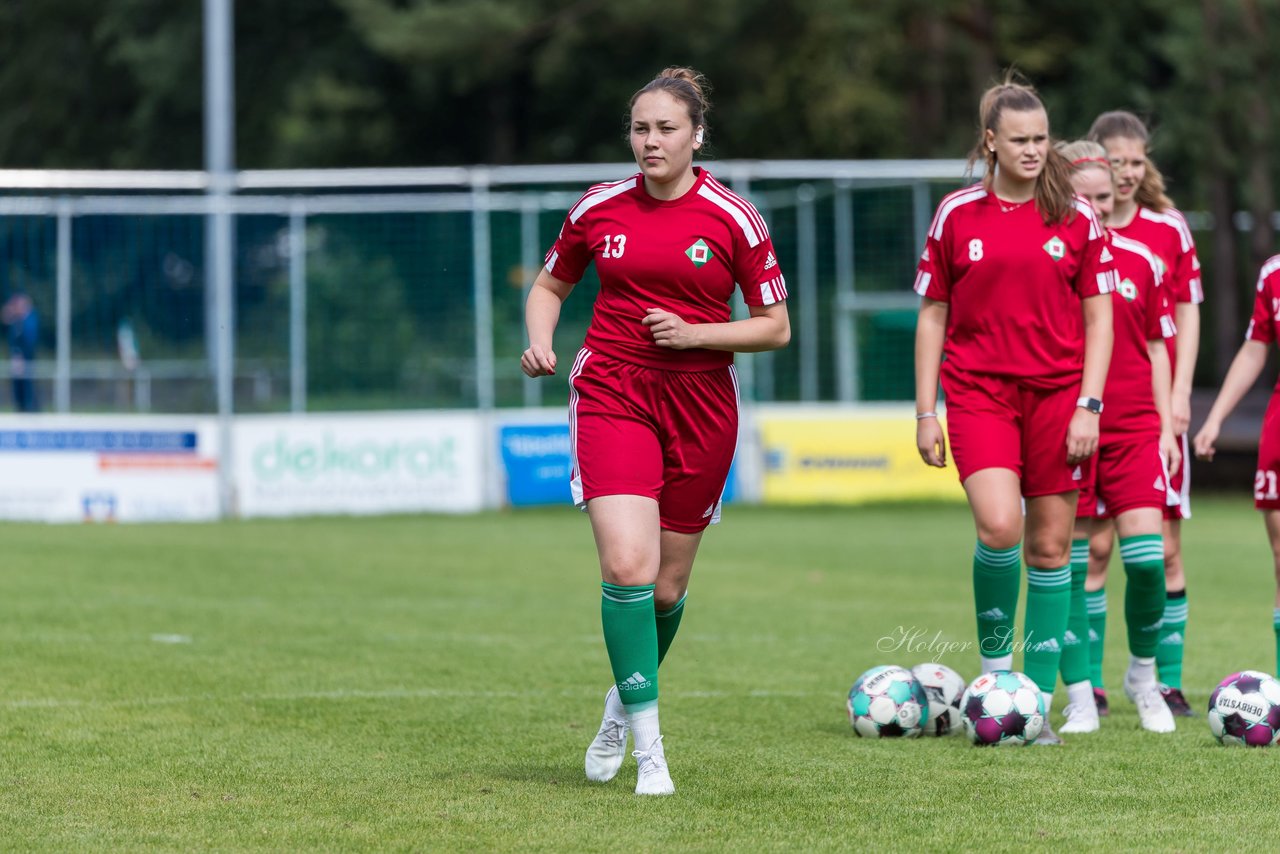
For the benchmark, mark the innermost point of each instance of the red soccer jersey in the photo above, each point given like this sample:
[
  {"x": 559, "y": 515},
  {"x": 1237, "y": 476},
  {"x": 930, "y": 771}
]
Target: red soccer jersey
[
  {"x": 682, "y": 255},
  {"x": 1140, "y": 313},
  {"x": 1266, "y": 305},
  {"x": 1169, "y": 237},
  {"x": 1014, "y": 286}
]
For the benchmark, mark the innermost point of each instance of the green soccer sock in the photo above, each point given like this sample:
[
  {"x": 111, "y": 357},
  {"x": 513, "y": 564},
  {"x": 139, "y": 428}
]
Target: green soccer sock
[
  {"x": 1075, "y": 643},
  {"x": 1095, "y": 602},
  {"x": 1144, "y": 602},
  {"x": 995, "y": 597},
  {"x": 631, "y": 636},
  {"x": 1173, "y": 634},
  {"x": 1048, "y": 606},
  {"x": 668, "y": 624},
  {"x": 1275, "y": 623}
]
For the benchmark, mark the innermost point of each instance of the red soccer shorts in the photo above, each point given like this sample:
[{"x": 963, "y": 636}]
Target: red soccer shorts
[
  {"x": 665, "y": 435},
  {"x": 1266, "y": 482},
  {"x": 1128, "y": 473},
  {"x": 993, "y": 422},
  {"x": 1180, "y": 483}
]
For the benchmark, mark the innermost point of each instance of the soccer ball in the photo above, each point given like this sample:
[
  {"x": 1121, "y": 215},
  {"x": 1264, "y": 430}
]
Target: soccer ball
[
  {"x": 1245, "y": 709},
  {"x": 944, "y": 688},
  {"x": 1003, "y": 707},
  {"x": 888, "y": 702}
]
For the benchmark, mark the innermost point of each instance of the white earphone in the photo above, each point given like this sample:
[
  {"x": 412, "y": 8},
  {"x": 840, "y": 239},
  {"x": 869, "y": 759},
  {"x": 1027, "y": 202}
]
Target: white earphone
[{"x": 697, "y": 136}]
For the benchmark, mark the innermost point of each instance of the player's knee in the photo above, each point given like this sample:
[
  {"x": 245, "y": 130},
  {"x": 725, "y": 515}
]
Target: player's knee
[
  {"x": 1000, "y": 532},
  {"x": 1048, "y": 551}
]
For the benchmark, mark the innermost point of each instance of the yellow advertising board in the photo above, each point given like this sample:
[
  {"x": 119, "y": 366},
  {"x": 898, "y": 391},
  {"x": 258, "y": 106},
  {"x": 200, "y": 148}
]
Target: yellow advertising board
[{"x": 847, "y": 457}]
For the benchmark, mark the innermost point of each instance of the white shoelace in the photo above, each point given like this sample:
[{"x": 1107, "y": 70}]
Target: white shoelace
[
  {"x": 652, "y": 760},
  {"x": 613, "y": 732}
]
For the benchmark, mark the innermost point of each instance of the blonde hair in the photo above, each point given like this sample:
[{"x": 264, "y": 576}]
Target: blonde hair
[
  {"x": 1053, "y": 193},
  {"x": 1085, "y": 154},
  {"x": 685, "y": 85},
  {"x": 1121, "y": 123}
]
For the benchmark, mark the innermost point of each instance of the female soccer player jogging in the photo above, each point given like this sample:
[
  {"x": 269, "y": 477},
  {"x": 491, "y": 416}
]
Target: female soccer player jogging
[
  {"x": 1129, "y": 482},
  {"x": 653, "y": 404},
  {"x": 1016, "y": 282},
  {"x": 1241, "y": 376},
  {"x": 1144, "y": 213}
]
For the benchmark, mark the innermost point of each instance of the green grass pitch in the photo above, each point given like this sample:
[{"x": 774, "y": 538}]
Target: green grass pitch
[{"x": 430, "y": 684}]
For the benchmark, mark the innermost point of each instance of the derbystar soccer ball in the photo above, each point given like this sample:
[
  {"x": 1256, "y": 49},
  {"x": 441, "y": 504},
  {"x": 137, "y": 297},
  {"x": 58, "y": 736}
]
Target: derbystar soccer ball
[
  {"x": 1003, "y": 707},
  {"x": 944, "y": 688},
  {"x": 1245, "y": 709},
  {"x": 888, "y": 702}
]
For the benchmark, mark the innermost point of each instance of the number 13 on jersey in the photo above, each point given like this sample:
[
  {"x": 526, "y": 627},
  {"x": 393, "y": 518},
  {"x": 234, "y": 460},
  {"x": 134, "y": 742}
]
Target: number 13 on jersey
[{"x": 614, "y": 245}]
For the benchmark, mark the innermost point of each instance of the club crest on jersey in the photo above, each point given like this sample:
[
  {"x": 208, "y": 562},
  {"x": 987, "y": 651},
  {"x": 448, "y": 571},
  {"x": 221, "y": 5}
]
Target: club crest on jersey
[
  {"x": 1056, "y": 248},
  {"x": 699, "y": 253},
  {"x": 1128, "y": 290}
]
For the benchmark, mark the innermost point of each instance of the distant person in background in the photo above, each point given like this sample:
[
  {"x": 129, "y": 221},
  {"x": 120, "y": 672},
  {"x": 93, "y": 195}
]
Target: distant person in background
[
  {"x": 19, "y": 315},
  {"x": 1016, "y": 285},
  {"x": 1243, "y": 373},
  {"x": 653, "y": 397},
  {"x": 1130, "y": 477},
  {"x": 1144, "y": 213}
]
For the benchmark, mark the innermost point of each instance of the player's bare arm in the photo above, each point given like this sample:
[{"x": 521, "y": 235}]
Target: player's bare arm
[
  {"x": 768, "y": 328},
  {"x": 931, "y": 330},
  {"x": 1245, "y": 369},
  {"x": 541, "y": 314},
  {"x": 1082, "y": 433}
]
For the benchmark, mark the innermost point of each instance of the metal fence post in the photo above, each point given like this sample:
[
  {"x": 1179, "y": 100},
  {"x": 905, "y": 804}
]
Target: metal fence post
[
  {"x": 846, "y": 326},
  {"x": 807, "y": 291},
  {"x": 62, "y": 365},
  {"x": 482, "y": 282},
  {"x": 529, "y": 268},
  {"x": 298, "y": 307}
]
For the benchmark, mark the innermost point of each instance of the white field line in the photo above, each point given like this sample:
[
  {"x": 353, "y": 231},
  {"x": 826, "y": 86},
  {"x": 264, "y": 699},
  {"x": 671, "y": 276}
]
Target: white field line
[{"x": 357, "y": 694}]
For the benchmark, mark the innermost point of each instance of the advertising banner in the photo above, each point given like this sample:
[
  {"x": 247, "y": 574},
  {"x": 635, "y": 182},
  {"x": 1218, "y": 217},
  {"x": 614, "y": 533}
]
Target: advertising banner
[
  {"x": 83, "y": 468},
  {"x": 846, "y": 458},
  {"x": 358, "y": 464}
]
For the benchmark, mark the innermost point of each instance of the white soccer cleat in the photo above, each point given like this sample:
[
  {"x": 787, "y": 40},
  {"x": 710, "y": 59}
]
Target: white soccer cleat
[
  {"x": 653, "y": 777},
  {"x": 1081, "y": 717},
  {"x": 609, "y": 747},
  {"x": 1152, "y": 709}
]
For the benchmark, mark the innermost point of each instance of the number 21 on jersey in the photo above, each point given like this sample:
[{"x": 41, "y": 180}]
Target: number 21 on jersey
[
  {"x": 1264, "y": 486},
  {"x": 614, "y": 245}
]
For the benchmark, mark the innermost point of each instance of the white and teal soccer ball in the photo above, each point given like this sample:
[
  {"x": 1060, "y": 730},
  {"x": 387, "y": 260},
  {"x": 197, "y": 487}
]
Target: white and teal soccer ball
[
  {"x": 944, "y": 688},
  {"x": 1245, "y": 709},
  {"x": 888, "y": 702},
  {"x": 1003, "y": 708}
]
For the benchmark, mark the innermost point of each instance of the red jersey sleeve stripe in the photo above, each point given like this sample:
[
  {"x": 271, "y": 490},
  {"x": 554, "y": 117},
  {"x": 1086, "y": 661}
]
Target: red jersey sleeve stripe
[
  {"x": 1141, "y": 250},
  {"x": 1095, "y": 228},
  {"x": 950, "y": 203},
  {"x": 922, "y": 282},
  {"x": 601, "y": 193},
  {"x": 742, "y": 203},
  {"x": 552, "y": 257},
  {"x": 1269, "y": 266},
  {"x": 744, "y": 223}
]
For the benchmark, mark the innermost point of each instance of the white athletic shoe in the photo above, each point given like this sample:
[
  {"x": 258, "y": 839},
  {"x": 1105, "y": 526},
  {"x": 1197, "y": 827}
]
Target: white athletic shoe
[
  {"x": 1081, "y": 717},
  {"x": 653, "y": 777},
  {"x": 609, "y": 747},
  {"x": 1152, "y": 709}
]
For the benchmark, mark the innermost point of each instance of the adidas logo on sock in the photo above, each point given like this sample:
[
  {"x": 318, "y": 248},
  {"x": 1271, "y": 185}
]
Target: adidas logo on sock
[
  {"x": 993, "y": 614},
  {"x": 634, "y": 682},
  {"x": 1070, "y": 639},
  {"x": 1050, "y": 645},
  {"x": 1172, "y": 638},
  {"x": 1093, "y": 636}
]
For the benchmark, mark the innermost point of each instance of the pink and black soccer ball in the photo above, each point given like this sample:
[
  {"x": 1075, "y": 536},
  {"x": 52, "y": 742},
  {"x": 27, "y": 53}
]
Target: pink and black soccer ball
[
  {"x": 1001, "y": 708},
  {"x": 1245, "y": 709}
]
